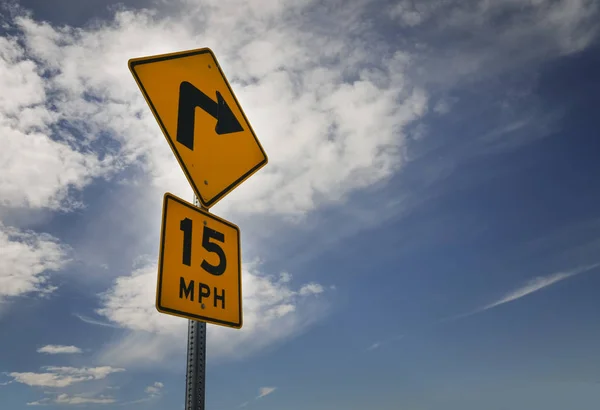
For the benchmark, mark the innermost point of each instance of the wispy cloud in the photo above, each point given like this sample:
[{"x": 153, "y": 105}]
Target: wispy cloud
[
  {"x": 94, "y": 321},
  {"x": 54, "y": 376},
  {"x": 26, "y": 259},
  {"x": 376, "y": 345},
  {"x": 532, "y": 286},
  {"x": 265, "y": 391},
  {"x": 274, "y": 310},
  {"x": 154, "y": 391},
  {"x": 262, "y": 392},
  {"x": 42, "y": 402},
  {"x": 59, "y": 349},
  {"x": 66, "y": 399}
]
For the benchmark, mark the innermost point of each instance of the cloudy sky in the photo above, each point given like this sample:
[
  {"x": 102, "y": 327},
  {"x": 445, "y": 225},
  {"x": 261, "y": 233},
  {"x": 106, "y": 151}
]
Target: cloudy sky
[{"x": 426, "y": 234}]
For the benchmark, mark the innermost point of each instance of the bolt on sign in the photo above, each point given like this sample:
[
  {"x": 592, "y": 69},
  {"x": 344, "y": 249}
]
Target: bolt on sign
[
  {"x": 199, "y": 268},
  {"x": 201, "y": 119}
]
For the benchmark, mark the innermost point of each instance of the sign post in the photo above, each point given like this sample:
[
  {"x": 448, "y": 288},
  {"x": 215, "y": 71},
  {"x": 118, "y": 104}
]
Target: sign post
[
  {"x": 195, "y": 378},
  {"x": 199, "y": 268}
]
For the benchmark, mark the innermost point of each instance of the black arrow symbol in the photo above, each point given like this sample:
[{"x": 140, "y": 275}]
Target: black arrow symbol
[{"x": 189, "y": 98}]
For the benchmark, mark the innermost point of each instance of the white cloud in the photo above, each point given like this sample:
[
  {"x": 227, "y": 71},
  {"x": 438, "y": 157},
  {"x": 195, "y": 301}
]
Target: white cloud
[
  {"x": 42, "y": 402},
  {"x": 378, "y": 344},
  {"x": 153, "y": 392},
  {"x": 331, "y": 118},
  {"x": 330, "y": 123},
  {"x": 54, "y": 376},
  {"x": 411, "y": 13},
  {"x": 265, "y": 391},
  {"x": 58, "y": 349},
  {"x": 262, "y": 392},
  {"x": 532, "y": 286},
  {"x": 93, "y": 321},
  {"x": 537, "y": 284},
  {"x": 510, "y": 34},
  {"x": 444, "y": 105},
  {"x": 148, "y": 350},
  {"x": 66, "y": 399},
  {"x": 285, "y": 277},
  {"x": 311, "y": 289},
  {"x": 130, "y": 302},
  {"x": 273, "y": 311},
  {"x": 37, "y": 170},
  {"x": 155, "y": 389},
  {"x": 26, "y": 258},
  {"x": 566, "y": 23}
]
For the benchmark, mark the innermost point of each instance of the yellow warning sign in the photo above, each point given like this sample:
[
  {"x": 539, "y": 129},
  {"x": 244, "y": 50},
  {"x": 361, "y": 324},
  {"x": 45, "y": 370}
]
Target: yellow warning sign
[
  {"x": 199, "y": 268},
  {"x": 202, "y": 120}
]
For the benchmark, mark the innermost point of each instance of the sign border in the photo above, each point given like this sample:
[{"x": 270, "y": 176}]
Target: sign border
[
  {"x": 132, "y": 63},
  {"x": 169, "y": 196}
]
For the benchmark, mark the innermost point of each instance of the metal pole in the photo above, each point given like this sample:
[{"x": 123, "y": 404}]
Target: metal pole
[
  {"x": 196, "y": 366},
  {"x": 196, "y": 362}
]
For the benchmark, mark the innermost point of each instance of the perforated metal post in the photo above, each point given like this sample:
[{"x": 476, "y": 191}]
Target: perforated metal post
[
  {"x": 196, "y": 366},
  {"x": 196, "y": 362}
]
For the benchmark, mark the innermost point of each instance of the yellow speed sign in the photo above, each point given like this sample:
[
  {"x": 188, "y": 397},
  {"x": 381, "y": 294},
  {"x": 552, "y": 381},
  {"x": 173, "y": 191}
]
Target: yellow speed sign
[{"x": 199, "y": 269}]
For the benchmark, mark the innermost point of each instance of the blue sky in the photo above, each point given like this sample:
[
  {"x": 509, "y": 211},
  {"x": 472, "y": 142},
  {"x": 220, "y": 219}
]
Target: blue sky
[{"x": 425, "y": 235}]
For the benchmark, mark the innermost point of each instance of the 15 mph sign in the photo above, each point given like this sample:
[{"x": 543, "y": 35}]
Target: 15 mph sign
[{"x": 199, "y": 269}]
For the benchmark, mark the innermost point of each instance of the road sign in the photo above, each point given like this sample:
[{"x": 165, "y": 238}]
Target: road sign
[
  {"x": 201, "y": 118},
  {"x": 199, "y": 268}
]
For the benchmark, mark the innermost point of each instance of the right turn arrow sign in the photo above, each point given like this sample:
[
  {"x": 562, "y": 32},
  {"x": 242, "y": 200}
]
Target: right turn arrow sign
[{"x": 189, "y": 98}]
